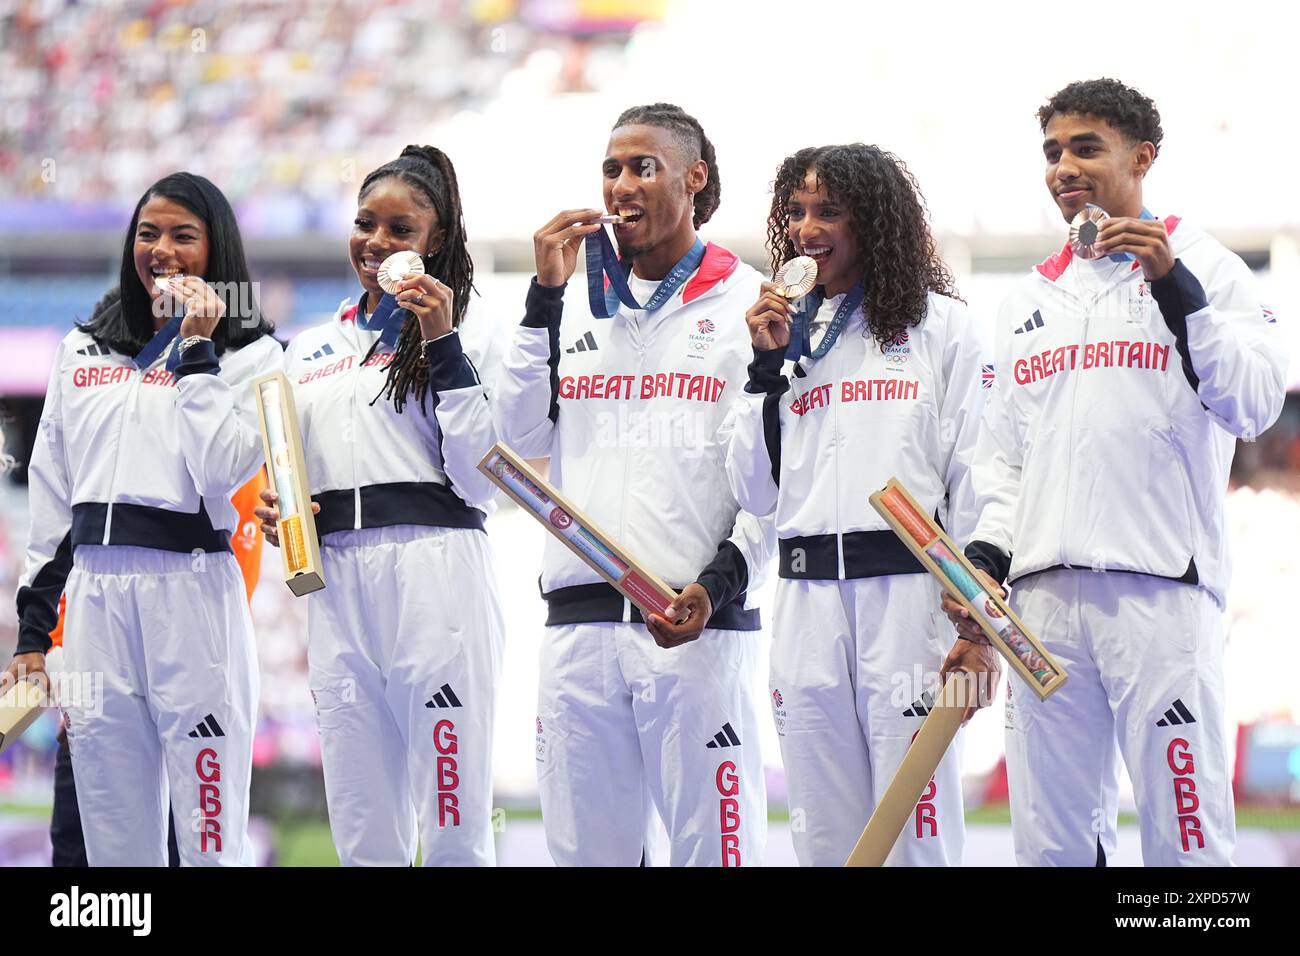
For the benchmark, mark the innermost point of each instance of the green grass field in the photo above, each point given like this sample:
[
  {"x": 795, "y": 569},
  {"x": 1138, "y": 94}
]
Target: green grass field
[{"x": 307, "y": 842}]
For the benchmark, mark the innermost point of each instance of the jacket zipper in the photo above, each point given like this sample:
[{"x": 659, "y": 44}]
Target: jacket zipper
[
  {"x": 1069, "y": 435},
  {"x": 354, "y": 415},
  {"x": 1096, "y": 299},
  {"x": 638, "y": 343},
  {"x": 129, "y": 411},
  {"x": 837, "y": 374}
]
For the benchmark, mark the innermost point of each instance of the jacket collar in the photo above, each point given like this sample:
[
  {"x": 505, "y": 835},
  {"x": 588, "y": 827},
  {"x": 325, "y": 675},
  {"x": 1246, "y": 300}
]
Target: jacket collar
[{"x": 718, "y": 265}]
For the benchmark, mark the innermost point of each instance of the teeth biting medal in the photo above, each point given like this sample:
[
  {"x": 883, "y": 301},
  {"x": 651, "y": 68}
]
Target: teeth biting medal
[
  {"x": 797, "y": 277},
  {"x": 167, "y": 285}
]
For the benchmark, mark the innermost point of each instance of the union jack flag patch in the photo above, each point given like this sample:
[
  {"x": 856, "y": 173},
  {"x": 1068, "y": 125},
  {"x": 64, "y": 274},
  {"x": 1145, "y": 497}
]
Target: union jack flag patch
[
  {"x": 1269, "y": 316},
  {"x": 986, "y": 376}
]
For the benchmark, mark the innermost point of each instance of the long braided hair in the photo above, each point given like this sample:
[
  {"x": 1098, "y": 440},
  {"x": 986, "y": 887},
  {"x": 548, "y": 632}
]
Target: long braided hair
[
  {"x": 686, "y": 128},
  {"x": 897, "y": 253},
  {"x": 428, "y": 170}
]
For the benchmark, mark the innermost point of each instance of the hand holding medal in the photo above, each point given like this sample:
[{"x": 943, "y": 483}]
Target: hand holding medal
[
  {"x": 430, "y": 301},
  {"x": 769, "y": 317},
  {"x": 1094, "y": 234},
  {"x": 555, "y": 245},
  {"x": 203, "y": 308},
  {"x": 393, "y": 276}
]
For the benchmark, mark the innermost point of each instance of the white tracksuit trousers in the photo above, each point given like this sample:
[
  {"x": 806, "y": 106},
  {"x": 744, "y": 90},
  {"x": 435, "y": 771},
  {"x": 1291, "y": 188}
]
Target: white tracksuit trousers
[
  {"x": 1145, "y": 663},
  {"x": 170, "y": 636},
  {"x": 625, "y": 727},
  {"x": 404, "y": 651},
  {"x": 851, "y": 661}
]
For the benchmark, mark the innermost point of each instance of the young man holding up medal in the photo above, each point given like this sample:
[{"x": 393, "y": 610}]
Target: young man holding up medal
[
  {"x": 1128, "y": 364},
  {"x": 659, "y": 714}
]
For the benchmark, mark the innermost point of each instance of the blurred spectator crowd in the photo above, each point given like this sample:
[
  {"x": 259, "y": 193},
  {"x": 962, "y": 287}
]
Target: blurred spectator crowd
[{"x": 278, "y": 102}]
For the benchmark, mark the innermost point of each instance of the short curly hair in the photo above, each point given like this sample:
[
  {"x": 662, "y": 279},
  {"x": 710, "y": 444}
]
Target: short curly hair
[{"x": 1123, "y": 107}]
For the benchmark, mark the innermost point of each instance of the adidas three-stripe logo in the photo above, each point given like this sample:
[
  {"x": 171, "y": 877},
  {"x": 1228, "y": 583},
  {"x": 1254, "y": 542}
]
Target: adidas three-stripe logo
[
  {"x": 444, "y": 698},
  {"x": 321, "y": 352},
  {"x": 920, "y": 707},
  {"x": 208, "y": 727},
  {"x": 1035, "y": 321},
  {"x": 1176, "y": 715},
  {"x": 93, "y": 350},
  {"x": 585, "y": 344},
  {"x": 726, "y": 737}
]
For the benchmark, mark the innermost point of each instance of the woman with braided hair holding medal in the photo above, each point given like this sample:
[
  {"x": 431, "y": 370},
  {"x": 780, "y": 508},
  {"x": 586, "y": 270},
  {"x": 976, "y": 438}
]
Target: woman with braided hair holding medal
[
  {"x": 405, "y": 641},
  {"x": 876, "y": 373}
]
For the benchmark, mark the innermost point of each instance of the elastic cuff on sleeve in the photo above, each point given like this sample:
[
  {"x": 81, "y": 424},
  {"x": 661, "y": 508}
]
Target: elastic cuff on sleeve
[
  {"x": 765, "y": 373},
  {"x": 200, "y": 358},
  {"x": 990, "y": 559},
  {"x": 726, "y": 577},
  {"x": 1179, "y": 294},
  {"x": 31, "y": 641},
  {"x": 544, "y": 306},
  {"x": 448, "y": 367}
]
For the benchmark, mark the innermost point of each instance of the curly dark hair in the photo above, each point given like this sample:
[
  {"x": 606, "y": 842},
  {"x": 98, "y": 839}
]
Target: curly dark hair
[
  {"x": 1121, "y": 106},
  {"x": 899, "y": 258},
  {"x": 429, "y": 171},
  {"x": 690, "y": 134}
]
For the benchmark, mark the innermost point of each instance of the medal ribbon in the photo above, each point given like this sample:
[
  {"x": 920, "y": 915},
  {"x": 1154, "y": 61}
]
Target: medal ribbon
[
  {"x": 800, "y": 330},
  {"x": 387, "y": 319},
  {"x": 602, "y": 262},
  {"x": 158, "y": 344}
]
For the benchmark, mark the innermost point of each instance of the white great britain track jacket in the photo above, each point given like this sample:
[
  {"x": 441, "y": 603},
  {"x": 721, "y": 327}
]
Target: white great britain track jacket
[
  {"x": 630, "y": 410},
  {"x": 1109, "y": 433},
  {"x": 832, "y": 431},
  {"x": 143, "y": 458},
  {"x": 368, "y": 465}
]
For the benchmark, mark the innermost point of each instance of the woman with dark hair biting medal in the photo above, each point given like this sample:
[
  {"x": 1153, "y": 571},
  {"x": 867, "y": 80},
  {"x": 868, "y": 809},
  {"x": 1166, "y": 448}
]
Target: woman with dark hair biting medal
[
  {"x": 149, "y": 427},
  {"x": 878, "y": 376},
  {"x": 405, "y": 641}
]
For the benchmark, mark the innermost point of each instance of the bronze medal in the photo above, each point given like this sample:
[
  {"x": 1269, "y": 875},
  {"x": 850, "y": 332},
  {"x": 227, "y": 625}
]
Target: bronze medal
[
  {"x": 797, "y": 277},
  {"x": 397, "y": 268},
  {"x": 1083, "y": 232}
]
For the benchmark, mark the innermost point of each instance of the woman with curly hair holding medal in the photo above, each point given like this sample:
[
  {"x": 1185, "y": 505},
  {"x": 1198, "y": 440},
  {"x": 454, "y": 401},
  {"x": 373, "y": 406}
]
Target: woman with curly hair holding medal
[
  {"x": 874, "y": 373},
  {"x": 149, "y": 427},
  {"x": 405, "y": 641}
]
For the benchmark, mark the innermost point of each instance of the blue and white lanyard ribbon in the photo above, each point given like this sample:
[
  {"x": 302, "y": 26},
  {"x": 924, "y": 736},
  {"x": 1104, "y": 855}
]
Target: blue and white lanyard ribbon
[
  {"x": 159, "y": 343},
  {"x": 800, "y": 331},
  {"x": 602, "y": 262},
  {"x": 387, "y": 320}
]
